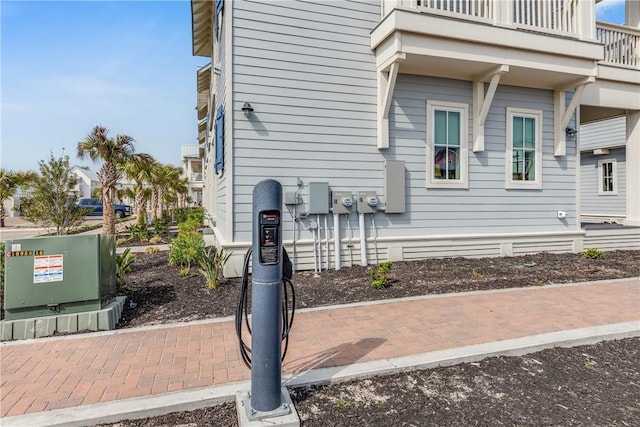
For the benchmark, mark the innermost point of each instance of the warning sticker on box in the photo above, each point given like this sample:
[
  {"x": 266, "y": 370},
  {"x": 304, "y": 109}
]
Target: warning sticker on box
[{"x": 47, "y": 268}]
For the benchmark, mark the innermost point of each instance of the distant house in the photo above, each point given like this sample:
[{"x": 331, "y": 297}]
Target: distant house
[
  {"x": 88, "y": 181},
  {"x": 603, "y": 172},
  {"x": 192, "y": 166},
  {"x": 409, "y": 129}
]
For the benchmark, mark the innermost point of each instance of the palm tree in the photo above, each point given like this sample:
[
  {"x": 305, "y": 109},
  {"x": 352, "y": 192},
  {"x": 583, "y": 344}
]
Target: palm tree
[
  {"x": 139, "y": 169},
  {"x": 163, "y": 176},
  {"x": 10, "y": 181},
  {"x": 113, "y": 153}
]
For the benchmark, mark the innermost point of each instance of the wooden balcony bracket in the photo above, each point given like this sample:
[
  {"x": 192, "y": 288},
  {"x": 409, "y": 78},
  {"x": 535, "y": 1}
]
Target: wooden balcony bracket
[
  {"x": 482, "y": 102},
  {"x": 387, "y": 75},
  {"x": 562, "y": 113}
]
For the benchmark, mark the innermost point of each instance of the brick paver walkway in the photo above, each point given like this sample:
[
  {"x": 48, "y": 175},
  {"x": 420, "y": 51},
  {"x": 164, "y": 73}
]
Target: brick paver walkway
[{"x": 59, "y": 373}]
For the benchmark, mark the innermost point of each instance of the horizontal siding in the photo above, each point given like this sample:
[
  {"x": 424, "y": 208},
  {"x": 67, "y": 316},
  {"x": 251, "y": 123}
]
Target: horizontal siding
[
  {"x": 602, "y": 134},
  {"x": 624, "y": 238},
  {"x": 309, "y": 73},
  {"x": 592, "y": 203},
  {"x": 486, "y": 206}
]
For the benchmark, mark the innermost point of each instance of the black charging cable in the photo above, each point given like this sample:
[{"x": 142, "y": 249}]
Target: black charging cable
[{"x": 242, "y": 310}]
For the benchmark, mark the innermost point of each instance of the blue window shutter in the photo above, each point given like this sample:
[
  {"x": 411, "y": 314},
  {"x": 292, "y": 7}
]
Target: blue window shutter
[
  {"x": 219, "y": 135},
  {"x": 216, "y": 25}
]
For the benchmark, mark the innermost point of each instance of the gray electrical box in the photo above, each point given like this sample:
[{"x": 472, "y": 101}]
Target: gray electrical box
[
  {"x": 394, "y": 187},
  {"x": 319, "y": 198},
  {"x": 367, "y": 202},
  {"x": 341, "y": 202}
]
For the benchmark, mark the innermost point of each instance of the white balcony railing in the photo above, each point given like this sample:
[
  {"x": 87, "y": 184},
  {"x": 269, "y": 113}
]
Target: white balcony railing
[
  {"x": 549, "y": 16},
  {"x": 621, "y": 44},
  {"x": 196, "y": 177}
]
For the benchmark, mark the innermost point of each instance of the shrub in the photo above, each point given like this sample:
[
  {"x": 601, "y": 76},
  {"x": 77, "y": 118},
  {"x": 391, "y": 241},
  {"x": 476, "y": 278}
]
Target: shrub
[
  {"x": 188, "y": 226},
  {"x": 123, "y": 265},
  {"x": 378, "y": 274},
  {"x": 152, "y": 250},
  {"x": 155, "y": 240},
  {"x": 160, "y": 227},
  {"x": 592, "y": 253},
  {"x": 212, "y": 263},
  {"x": 138, "y": 232},
  {"x": 186, "y": 249}
]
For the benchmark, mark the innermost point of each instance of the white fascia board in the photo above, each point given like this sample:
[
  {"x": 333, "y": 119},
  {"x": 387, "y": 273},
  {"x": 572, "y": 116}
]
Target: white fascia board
[
  {"x": 481, "y": 33},
  {"x": 463, "y": 50},
  {"x": 610, "y": 94}
]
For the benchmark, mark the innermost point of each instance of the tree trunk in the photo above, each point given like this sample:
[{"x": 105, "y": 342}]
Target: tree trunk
[{"x": 2, "y": 214}]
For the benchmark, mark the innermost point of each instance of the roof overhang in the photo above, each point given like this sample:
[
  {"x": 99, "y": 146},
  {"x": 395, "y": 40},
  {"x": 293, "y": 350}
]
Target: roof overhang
[
  {"x": 202, "y": 27},
  {"x": 204, "y": 84}
]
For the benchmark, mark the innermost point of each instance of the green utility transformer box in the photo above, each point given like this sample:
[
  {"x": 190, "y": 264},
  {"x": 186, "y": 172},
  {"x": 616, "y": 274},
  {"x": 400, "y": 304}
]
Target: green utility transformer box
[{"x": 47, "y": 276}]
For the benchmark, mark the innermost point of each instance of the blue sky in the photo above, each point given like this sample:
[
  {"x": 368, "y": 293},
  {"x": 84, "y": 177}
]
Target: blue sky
[
  {"x": 68, "y": 66},
  {"x": 126, "y": 65}
]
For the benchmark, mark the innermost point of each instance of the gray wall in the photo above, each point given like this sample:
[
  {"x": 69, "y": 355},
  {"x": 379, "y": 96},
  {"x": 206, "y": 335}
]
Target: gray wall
[
  {"x": 309, "y": 72},
  {"x": 591, "y": 201},
  {"x": 313, "y": 88}
]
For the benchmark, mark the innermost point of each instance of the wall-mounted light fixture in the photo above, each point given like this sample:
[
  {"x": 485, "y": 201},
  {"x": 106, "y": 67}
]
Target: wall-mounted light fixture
[
  {"x": 571, "y": 133},
  {"x": 247, "y": 109}
]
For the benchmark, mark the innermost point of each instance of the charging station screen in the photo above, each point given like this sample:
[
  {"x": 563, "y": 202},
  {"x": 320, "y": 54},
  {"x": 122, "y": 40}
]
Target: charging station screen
[{"x": 269, "y": 229}]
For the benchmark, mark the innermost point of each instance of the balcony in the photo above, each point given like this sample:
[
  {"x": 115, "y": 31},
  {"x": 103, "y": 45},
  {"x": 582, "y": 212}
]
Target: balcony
[
  {"x": 621, "y": 45},
  {"x": 548, "y": 44}
]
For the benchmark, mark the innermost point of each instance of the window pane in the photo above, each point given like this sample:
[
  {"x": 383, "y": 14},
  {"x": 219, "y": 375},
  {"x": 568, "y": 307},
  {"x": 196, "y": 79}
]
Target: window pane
[
  {"x": 440, "y": 163},
  {"x": 440, "y": 127},
  {"x": 518, "y": 165},
  {"x": 517, "y": 132},
  {"x": 454, "y": 128},
  {"x": 529, "y": 166},
  {"x": 529, "y": 133},
  {"x": 453, "y": 157}
]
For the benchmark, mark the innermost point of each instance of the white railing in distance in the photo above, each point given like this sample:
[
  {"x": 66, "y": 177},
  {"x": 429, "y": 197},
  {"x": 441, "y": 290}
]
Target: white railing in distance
[
  {"x": 550, "y": 15},
  {"x": 621, "y": 44},
  {"x": 476, "y": 8}
]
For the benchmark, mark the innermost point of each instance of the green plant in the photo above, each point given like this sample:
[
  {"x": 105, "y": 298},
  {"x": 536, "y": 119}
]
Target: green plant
[
  {"x": 190, "y": 225},
  {"x": 184, "y": 271},
  {"x": 160, "y": 227},
  {"x": 186, "y": 249},
  {"x": 152, "y": 250},
  {"x": 123, "y": 265},
  {"x": 155, "y": 240},
  {"x": 212, "y": 263},
  {"x": 137, "y": 232},
  {"x": 592, "y": 253},
  {"x": 475, "y": 274},
  {"x": 378, "y": 274},
  {"x": 121, "y": 241}
]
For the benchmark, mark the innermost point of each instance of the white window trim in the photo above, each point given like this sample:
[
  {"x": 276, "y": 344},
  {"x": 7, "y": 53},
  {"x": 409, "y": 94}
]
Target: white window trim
[
  {"x": 509, "y": 182},
  {"x": 463, "y": 109},
  {"x": 614, "y": 172}
]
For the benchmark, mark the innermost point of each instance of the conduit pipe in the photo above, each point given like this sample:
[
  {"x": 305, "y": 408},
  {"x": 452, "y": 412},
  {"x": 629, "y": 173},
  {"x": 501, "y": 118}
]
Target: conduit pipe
[
  {"x": 319, "y": 244},
  {"x": 375, "y": 237},
  {"x": 336, "y": 239},
  {"x": 326, "y": 236},
  {"x": 363, "y": 240}
]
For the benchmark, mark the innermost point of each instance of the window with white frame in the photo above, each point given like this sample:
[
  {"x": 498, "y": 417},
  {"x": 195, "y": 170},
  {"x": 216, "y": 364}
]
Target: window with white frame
[
  {"x": 524, "y": 149},
  {"x": 608, "y": 185},
  {"x": 447, "y": 145}
]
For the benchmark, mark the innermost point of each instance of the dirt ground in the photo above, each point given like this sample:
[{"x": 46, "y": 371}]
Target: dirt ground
[{"x": 596, "y": 385}]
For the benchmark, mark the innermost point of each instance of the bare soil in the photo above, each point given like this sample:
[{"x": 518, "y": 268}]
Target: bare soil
[{"x": 596, "y": 385}]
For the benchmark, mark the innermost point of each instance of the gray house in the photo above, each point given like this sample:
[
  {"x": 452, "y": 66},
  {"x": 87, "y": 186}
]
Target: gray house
[{"x": 408, "y": 129}]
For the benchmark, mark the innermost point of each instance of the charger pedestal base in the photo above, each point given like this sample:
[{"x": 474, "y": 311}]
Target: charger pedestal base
[{"x": 284, "y": 415}]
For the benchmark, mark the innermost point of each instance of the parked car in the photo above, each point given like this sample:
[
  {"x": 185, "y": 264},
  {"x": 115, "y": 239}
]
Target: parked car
[{"x": 95, "y": 205}]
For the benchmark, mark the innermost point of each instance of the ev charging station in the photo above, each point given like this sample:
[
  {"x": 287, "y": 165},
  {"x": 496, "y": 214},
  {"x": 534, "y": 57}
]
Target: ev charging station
[{"x": 268, "y": 403}]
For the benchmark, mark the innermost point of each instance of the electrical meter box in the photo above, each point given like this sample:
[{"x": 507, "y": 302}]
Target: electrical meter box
[
  {"x": 341, "y": 202},
  {"x": 319, "y": 198},
  {"x": 58, "y": 275},
  {"x": 367, "y": 202}
]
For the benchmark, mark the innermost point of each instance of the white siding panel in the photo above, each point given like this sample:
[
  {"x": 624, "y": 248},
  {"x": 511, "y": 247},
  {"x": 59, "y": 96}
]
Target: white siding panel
[{"x": 602, "y": 134}]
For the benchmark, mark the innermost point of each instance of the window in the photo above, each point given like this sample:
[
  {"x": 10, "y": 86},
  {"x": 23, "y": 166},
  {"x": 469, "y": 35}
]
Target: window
[
  {"x": 447, "y": 142},
  {"x": 219, "y": 139},
  {"x": 524, "y": 149},
  {"x": 607, "y": 178}
]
